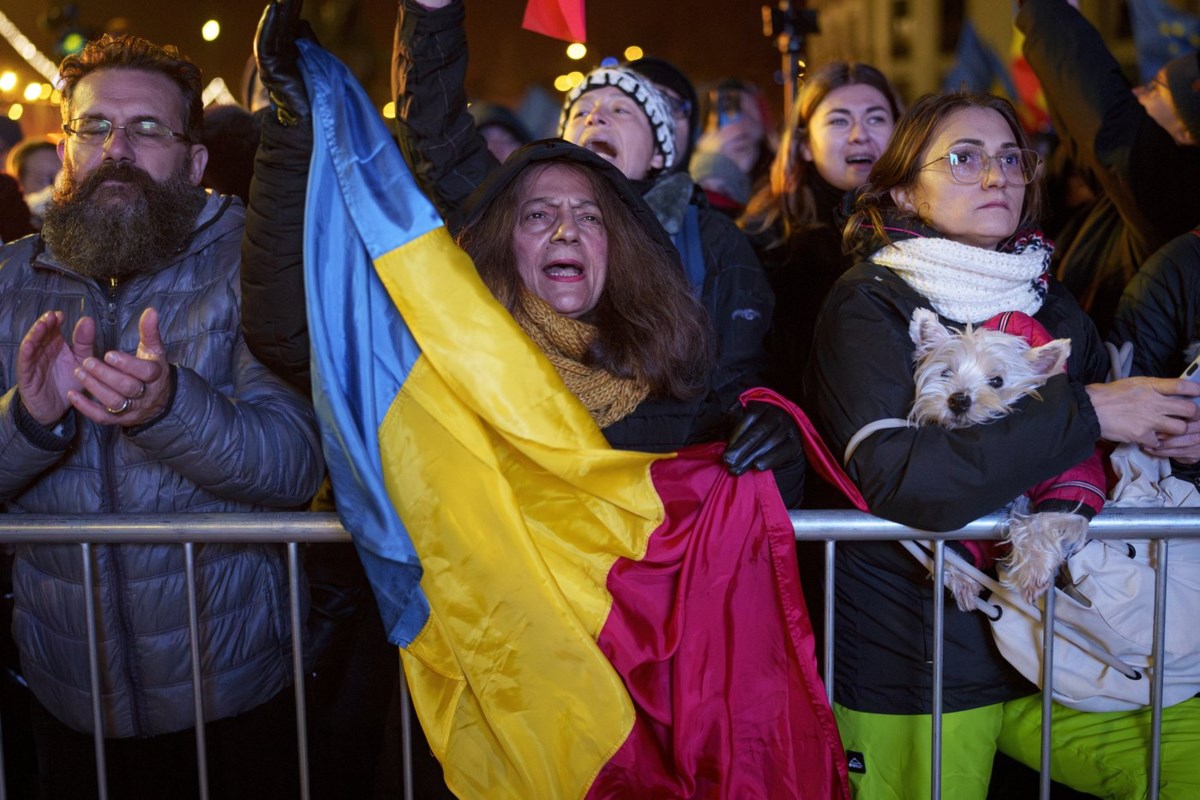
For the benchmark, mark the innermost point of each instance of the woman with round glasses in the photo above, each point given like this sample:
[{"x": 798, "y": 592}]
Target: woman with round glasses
[{"x": 945, "y": 221}]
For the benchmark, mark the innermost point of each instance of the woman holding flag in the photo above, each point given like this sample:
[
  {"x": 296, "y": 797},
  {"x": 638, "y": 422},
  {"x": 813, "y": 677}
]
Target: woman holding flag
[{"x": 575, "y": 619}]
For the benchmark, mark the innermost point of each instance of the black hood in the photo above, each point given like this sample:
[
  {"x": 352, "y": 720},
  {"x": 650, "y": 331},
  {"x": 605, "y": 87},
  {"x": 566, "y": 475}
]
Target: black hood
[{"x": 545, "y": 150}]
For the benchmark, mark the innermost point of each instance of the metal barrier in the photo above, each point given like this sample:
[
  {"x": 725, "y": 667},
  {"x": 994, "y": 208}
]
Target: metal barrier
[{"x": 291, "y": 529}]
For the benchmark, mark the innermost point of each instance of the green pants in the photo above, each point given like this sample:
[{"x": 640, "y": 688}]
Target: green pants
[{"x": 1105, "y": 754}]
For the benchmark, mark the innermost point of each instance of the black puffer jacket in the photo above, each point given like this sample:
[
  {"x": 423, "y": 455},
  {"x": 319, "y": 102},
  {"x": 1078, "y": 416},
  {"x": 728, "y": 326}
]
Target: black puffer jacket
[
  {"x": 450, "y": 159},
  {"x": 929, "y": 478},
  {"x": 1159, "y": 312},
  {"x": 801, "y": 270},
  {"x": 1148, "y": 181}
]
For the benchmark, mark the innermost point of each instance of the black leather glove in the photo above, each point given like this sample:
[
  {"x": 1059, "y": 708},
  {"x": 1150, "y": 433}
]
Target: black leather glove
[
  {"x": 276, "y": 54},
  {"x": 764, "y": 437}
]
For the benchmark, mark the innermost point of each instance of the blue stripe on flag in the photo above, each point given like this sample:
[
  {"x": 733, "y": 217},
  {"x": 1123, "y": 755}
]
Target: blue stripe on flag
[{"x": 362, "y": 203}]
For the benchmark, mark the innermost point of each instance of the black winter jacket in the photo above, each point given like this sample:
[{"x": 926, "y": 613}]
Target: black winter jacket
[
  {"x": 1160, "y": 309},
  {"x": 1148, "y": 181},
  {"x": 930, "y": 478}
]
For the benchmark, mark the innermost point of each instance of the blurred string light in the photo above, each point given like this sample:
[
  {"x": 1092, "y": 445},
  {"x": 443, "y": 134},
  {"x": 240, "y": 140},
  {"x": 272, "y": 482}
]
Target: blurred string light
[
  {"x": 26, "y": 49},
  {"x": 633, "y": 53},
  {"x": 389, "y": 110},
  {"x": 15, "y": 111},
  {"x": 565, "y": 83},
  {"x": 8, "y": 81},
  {"x": 33, "y": 91},
  {"x": 217, "y": 92},
  {"x": 576, "y": 50},
  {"x": 609, "y": 62},
  {"x": 210, "y": 30}
]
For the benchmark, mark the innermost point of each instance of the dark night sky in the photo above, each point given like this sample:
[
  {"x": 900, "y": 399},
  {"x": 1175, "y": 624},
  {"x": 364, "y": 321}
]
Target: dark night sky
[{"x": 708, "y": 38}]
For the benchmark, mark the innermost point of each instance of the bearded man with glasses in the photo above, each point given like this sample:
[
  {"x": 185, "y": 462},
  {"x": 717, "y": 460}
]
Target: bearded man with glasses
[{"x": 127, "y": 387}]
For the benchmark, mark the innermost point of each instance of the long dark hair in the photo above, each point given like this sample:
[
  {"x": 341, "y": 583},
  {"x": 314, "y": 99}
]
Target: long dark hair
[
  {"x": 787, "y": 198},
  {"x": 900, "y": 165},
  {"x": 649, "y": 326}
]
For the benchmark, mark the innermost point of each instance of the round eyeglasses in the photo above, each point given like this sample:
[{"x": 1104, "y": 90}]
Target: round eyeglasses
[
  {"x": 143, "y": 133},
  {"x": 969, "y": 164}
]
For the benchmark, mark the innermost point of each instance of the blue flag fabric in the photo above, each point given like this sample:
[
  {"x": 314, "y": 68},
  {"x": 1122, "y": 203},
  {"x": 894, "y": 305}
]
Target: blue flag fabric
[
  {"x": 1161, "y": 33},
  {"x": 361, "y": 350}
]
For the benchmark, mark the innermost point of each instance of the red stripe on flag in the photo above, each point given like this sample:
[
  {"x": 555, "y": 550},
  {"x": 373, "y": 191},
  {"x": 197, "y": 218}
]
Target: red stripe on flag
[
  {"x": 712, "y": 637},
  {"x": 561, "y": 19}
]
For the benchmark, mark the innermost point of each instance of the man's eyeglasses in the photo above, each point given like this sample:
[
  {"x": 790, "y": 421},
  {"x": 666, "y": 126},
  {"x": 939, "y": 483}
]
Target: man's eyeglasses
[
  {"x": 146, "y": 132},
  {"x": 971, "y": 164},
  {"x": 680, "y": 108}
]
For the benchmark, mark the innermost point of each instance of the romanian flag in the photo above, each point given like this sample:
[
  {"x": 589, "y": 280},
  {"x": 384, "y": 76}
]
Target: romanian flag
[{"x": 575, "y": 621}]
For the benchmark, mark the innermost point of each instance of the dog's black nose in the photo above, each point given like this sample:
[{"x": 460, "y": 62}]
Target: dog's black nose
[{"x": 959, "y": 402}]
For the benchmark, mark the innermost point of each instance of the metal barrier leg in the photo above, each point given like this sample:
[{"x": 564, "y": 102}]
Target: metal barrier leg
[
  {"x": 1047, "y": 692},
  {"x": 406, "y": 732},
  {"x": 293, "y": 552},
  {"x": 1161, "y": 546},
  {"x": 3, "y": 777},
  {"x": 189, "y": 561},
  {"x": 89, "y": 604},
  {"x": 939, "y": 664},
  {"x": 830, "y": 554}
]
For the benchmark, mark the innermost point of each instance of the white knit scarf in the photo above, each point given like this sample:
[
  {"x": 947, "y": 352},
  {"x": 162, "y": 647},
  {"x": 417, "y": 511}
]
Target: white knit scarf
[{"x": 970, "y": 284}]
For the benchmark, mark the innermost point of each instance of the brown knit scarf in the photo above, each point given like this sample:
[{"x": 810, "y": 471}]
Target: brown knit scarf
[{"x": 565, "y": 341}]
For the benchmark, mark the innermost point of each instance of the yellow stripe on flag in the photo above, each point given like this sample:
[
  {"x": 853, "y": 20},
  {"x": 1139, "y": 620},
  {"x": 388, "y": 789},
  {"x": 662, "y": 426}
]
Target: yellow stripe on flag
[{"x": 516, "y": 698}]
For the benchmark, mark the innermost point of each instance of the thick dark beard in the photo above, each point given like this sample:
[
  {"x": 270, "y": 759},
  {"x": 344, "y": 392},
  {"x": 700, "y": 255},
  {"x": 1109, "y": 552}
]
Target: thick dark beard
[{"x": 107, "y": 232}]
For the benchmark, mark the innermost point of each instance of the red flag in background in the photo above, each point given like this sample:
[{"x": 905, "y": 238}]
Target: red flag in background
[{"x": 561, "y": 19}]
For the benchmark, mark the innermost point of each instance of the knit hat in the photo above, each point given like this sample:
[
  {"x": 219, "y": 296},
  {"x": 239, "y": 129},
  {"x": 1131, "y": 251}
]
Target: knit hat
[
  {"x": 1183, "y": 81},
  {"x": 664, "y": 73},
  {"x": 642, "y": 91}
]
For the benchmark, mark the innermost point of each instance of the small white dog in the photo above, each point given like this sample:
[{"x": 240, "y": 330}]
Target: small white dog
[{"x": 973, "y": 376}]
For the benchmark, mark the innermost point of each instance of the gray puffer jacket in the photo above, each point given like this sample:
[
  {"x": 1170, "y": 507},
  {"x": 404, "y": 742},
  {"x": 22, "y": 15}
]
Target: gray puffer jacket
[{"x": 234, "y": 438}]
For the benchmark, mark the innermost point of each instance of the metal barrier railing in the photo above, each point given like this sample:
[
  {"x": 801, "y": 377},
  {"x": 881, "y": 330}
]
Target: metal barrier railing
[{"x": 291, "y": 529}]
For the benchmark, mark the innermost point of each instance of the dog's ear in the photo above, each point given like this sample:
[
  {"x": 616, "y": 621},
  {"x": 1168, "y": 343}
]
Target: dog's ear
[
  {"x": 926, "y": 331},
  {"x": 1049, "y": 359}
]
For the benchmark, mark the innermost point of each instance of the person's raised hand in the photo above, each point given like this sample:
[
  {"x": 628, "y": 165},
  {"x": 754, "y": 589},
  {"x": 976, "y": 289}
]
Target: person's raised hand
[
  {"x": 46, "y": 365},
  {"x": 764, "y": 437},
  {"x": 126, "y": 389},
  {"x": 1144, "y": 410},
  {"x": 278, "y": 58}
]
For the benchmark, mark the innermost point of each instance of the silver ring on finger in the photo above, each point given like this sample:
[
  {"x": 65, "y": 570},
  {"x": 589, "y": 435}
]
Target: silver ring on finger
[
  {"x": 140, "y": 391},
  {"x": 121, "y": 409}
]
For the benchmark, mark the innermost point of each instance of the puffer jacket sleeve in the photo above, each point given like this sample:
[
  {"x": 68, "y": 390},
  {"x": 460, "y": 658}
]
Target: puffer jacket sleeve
[
  {"x": 1159, "y": 312},
  {"x": 26, "y": 450},
  {"x": 274, "y": 318},
  {"x": 437, "y": 134},
  {"x": 1148, "y": 176},
  {"x": 929, "y": 477},
  {"x": 259, "y": 446}
]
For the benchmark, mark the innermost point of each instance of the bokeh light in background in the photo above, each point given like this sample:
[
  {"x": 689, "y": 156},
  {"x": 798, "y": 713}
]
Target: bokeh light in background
[
  {"x": 210, "y": 30},
  {"x": 633, "y": 53},
  {"x": 576, "y": 50},
  {"x": 8, "y": 80}
]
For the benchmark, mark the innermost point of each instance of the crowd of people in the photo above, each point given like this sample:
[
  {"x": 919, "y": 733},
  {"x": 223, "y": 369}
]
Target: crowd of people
[{"x": 667, "y": 249}]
